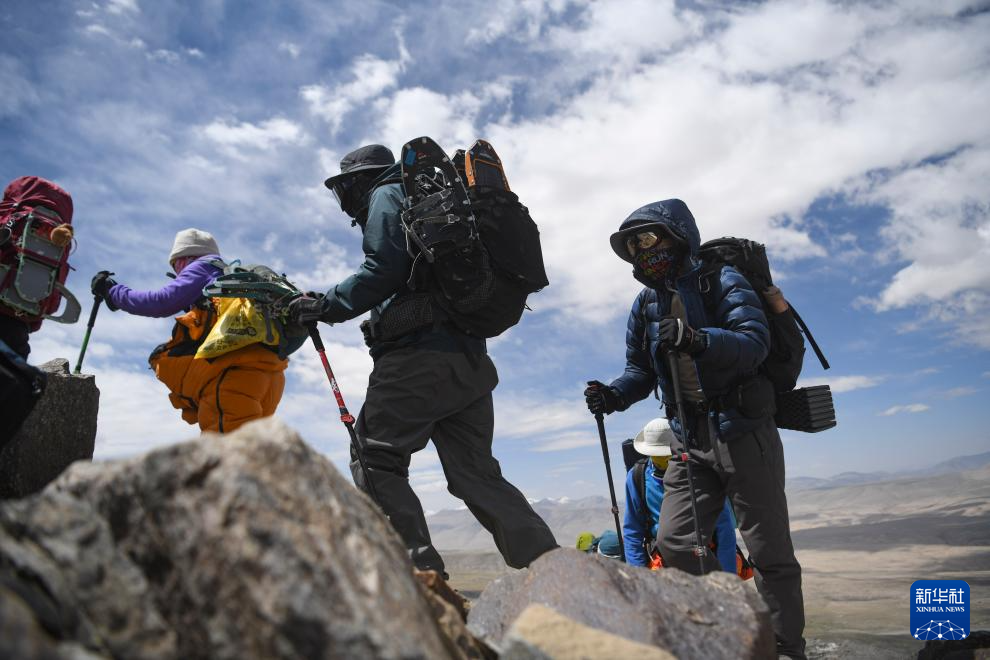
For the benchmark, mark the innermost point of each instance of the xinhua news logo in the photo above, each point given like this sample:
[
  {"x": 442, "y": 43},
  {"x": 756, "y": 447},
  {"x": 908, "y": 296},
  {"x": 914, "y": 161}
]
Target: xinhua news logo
[{"x": 939, "y": 609}]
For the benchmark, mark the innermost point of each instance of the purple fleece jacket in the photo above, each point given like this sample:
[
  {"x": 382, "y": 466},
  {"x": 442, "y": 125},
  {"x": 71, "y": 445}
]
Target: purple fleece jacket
[{"x": 176, "y": 296}]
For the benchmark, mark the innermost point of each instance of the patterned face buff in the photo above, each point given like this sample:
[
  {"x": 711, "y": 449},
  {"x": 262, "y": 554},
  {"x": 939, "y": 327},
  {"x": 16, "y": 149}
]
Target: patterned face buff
[{"x": 656, "y": 263}]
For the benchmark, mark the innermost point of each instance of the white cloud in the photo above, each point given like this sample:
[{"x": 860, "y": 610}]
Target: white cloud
[
  {"x": 640, "y": 26},
  {"x": 255, "y": 137},
  {"x": 941, "y": 225},
  {"x": 909, "y": 408},
  {"x": 512, "y": 19},
  {"x": 816, "y": 32},
  {"x": 164, "y": 55},
  {"x": 715, "y": 140},
  {"x": 292, "y": 49},
  {"x": 19, "y": 93},
  {"x": 840, "y": 384},
  {"x": 371, "y": 77},
  {"x": 562, "y": 441},
  {"x": 956, "y": 392},
  {"x": 450, "y": 120},
  {"x": 122, "y": 7},
  {"x": 523, "y": 415},
  {"x": 326, "y": 264},
  {"x": 351, "y": 367},
  {"x": 96, "y": 28}
]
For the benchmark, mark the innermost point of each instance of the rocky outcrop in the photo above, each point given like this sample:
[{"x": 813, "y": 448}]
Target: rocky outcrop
[
  {"x": 61, "y": 429},
  {"x": 450, "y": 610},
  {"x": 541, "y": 634},
  {"x": 717, "y": 616},
  {"x": 249, "y": 545}
]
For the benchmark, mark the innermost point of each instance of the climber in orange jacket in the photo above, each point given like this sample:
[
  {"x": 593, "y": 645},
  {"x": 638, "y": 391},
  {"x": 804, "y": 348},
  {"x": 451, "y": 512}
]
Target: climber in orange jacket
[{"x": 219, "y": 393}]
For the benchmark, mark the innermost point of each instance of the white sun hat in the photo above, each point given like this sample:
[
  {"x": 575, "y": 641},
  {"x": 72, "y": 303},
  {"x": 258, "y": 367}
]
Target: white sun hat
[{"x": 655, "y": 438}]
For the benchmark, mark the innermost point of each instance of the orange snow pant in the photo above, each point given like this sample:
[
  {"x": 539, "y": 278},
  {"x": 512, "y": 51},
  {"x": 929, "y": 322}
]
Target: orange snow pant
[{"x": 237, "y": 396}]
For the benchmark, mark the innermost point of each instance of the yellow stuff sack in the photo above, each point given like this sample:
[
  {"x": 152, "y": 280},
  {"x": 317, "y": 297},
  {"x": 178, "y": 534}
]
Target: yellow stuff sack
[{"x": 239, "y": 324}]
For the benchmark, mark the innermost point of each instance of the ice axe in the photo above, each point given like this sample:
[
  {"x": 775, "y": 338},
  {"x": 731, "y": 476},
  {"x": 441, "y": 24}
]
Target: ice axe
[
  {"x": 346, "y": 417},
  {"x": 600, "y": 420},
  {"x": 97, "y": 300}
]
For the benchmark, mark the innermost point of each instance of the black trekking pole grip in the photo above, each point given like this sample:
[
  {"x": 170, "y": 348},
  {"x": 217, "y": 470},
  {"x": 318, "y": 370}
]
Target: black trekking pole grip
[
  {"x": 675, "y": 376},
  {"x": 345, "y": 416},
  {"x": 89, "y": 330},
  {"x": 600, "y": 420}
]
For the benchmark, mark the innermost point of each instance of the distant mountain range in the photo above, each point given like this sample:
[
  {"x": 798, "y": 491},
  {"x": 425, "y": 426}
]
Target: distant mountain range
[
  {"x": 848, "y": 508},
  {"x": 957, "y": 464}
]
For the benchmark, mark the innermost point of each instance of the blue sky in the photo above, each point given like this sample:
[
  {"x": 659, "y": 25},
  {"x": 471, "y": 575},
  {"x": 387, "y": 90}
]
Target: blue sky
[{"x": 851, "y": 138}]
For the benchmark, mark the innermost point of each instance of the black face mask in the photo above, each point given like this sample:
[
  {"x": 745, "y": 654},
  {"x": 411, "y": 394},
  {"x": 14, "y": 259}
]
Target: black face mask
[{"x": 352, "y": 194}]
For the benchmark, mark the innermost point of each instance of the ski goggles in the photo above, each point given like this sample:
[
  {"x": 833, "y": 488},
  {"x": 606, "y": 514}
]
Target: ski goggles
[
  {"x": 642, "y": 241},
  {"x": 645, "y": 240}
]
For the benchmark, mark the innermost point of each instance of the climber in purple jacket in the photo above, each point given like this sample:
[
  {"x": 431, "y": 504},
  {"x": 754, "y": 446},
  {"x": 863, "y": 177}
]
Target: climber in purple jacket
[{"x": 220, "y": 393}]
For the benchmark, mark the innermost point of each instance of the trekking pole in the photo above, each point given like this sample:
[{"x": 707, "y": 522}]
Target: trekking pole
[
  {"x": 675, "y": 375},
  {"x": 89, "y": 329},
  {"x": 345, "y": 417},
  {"x": 600, "y": 419}
]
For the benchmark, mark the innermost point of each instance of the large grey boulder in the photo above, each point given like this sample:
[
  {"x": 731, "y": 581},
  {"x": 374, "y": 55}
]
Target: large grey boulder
[
  {"x": 716, "y": 616},
  {"x": 248, "y": 545},
  {"x": 60, "y": 430}
]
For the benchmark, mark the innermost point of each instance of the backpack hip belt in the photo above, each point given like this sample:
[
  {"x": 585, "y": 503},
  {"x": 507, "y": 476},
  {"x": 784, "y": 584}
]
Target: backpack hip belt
[
  {"x": 404, "y": 315},
  {"x": 753, "y": 397}
]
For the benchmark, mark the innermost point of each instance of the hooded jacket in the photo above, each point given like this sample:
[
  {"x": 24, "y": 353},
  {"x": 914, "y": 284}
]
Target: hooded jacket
[
  {"x": 382, "y": 277},
  {"x": 737, "y": 329}
]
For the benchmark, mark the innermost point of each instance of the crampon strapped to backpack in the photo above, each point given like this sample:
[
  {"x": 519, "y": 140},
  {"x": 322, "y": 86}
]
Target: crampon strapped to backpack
[
  {"x": 476, "y": 251},
  {"x": 251, "y": 303},
  {"x": 35, "y": 242},
  {"x": 808, "y": 409}
]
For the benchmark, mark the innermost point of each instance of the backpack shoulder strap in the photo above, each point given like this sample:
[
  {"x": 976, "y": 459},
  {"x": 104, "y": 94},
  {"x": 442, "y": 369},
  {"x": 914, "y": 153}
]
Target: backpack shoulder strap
[{"x": 708, "y": 280}]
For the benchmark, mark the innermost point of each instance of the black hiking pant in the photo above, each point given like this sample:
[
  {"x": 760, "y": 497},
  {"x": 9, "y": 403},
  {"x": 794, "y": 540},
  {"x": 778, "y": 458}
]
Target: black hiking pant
[
  {"x": 748, "y": 469},
  {"x": 414, "y": 396}
]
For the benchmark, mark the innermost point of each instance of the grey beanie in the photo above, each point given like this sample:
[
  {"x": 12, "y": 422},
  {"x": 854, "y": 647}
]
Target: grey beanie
[{"x": 193, "y": 243}]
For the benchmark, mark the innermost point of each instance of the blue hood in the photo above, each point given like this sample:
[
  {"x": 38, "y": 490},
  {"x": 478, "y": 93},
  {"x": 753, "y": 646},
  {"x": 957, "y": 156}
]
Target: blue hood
[{"x": 672, "y": 214}]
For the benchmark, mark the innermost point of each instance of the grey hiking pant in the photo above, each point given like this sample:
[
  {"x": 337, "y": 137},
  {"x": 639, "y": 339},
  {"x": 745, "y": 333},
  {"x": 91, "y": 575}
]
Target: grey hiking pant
[
  {"x": 748, "y": 469},
  {"x": 415, "y": 395}
]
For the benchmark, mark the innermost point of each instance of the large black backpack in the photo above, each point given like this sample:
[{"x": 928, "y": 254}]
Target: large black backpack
[
  {"x": 509, "y": 262},
  {"x": 476, "y": 250},
  {"x": 807, "y": 409}
]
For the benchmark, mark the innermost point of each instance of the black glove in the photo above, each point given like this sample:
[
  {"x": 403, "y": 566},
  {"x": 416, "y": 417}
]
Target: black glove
[
  {"x": 677, "y": 335},
  {"x": 306, "y": 309},
  {"x": 601, "y": 398},
  {"x": 101, "y": 285}
]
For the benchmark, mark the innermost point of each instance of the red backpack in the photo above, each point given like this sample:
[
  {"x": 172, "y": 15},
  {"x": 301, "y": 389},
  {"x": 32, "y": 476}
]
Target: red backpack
[{"x": 35, "y": 242}]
